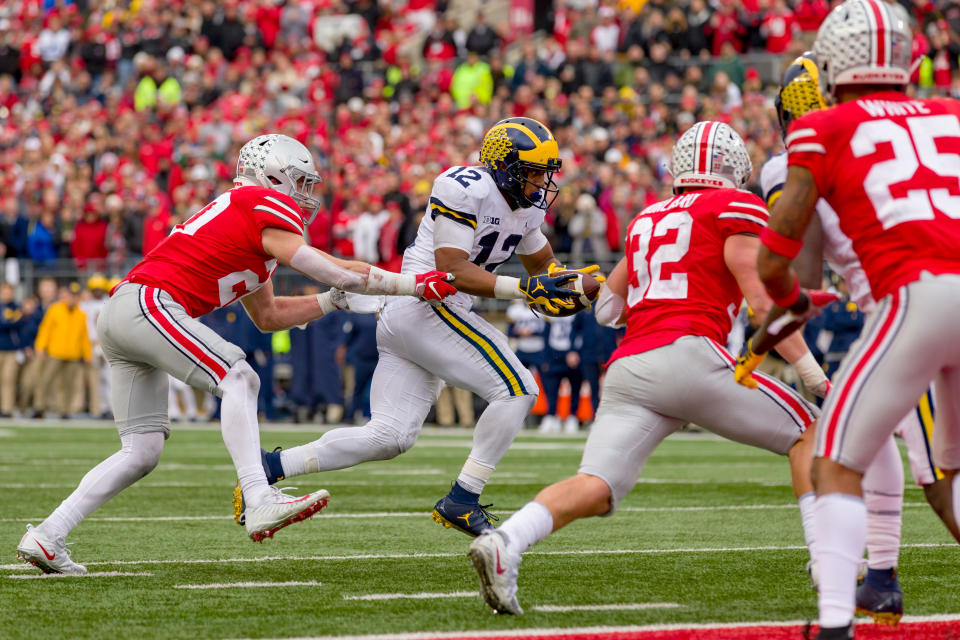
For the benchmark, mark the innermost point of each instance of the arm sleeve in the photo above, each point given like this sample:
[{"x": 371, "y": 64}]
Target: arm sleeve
[
  {"x": 533, "y": 241},
  {"x": 448, "y": 233},
  {"x": 743, "y": 213}
]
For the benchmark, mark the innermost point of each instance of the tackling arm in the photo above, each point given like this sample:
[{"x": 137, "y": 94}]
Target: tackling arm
[
  {"x": 348, "y": 275},
  {"x": 740, "y": 254},
  {"x": 611, "y": 305}
]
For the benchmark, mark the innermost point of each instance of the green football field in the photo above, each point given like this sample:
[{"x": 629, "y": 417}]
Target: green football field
[{"x": 710, "y": 534}]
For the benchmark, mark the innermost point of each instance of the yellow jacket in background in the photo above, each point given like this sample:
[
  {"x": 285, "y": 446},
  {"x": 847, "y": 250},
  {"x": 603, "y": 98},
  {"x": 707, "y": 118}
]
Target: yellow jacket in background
[{"x": 63, "y": 333}]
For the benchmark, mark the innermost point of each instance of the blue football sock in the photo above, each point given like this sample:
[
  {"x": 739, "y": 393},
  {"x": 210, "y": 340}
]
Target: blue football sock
[
  {"x": 461, "y": 495},
  {"x": 274, "y": 465},
  {"x": 883, "y": 579}
]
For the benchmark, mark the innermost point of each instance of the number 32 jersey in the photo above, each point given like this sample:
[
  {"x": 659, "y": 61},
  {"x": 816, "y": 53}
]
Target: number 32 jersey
[
  {"x": 486, "y": 227},
  {"x": 679, "y": 281},
  {"x": 889, "y": 166},
  {"x": 217, "y": 255}
]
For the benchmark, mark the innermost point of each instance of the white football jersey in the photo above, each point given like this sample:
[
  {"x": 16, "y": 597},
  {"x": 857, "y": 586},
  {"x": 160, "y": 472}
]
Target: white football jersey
[
  {"x": 837, "y": 247},
  {"x": 492, "y": 231}
]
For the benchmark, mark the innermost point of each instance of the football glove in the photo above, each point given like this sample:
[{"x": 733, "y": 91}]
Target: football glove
[
  {"x": 352, "y": 302},
  {"x": 434, "y": 286},
  {"x": 592, "y": 270},
  {"x": 547, "y": 290},
  {"x": 747, "y": 363}
]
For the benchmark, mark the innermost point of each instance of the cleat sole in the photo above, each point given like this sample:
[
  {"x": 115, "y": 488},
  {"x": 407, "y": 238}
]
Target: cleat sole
[
  {"x": 238, "y": 513},
  {"x": 439, "y": 519},
  {"x": 306, "y": 514},
  {"x": 884, "y": 617},
  {"x": 486, "y": 588}
]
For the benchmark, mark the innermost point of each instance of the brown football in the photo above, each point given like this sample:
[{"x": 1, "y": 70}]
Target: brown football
[{"x": 588, "y": 287}]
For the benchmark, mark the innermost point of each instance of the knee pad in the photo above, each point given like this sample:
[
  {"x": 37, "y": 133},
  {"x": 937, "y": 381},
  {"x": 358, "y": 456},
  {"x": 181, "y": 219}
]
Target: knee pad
[
  {"x": 240, "y": 376},
  {"x": 143, "y": 450}
]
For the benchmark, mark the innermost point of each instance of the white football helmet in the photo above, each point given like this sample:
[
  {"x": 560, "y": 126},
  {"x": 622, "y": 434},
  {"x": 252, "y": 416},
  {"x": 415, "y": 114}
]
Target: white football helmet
[
  {"x": 281, "y": 163},
  {"x": 710, "y": 155},
  {"x": 862, "y": 42}
]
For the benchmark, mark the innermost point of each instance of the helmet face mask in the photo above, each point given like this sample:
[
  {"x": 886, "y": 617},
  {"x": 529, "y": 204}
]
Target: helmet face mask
[
  {"x": 862, "y": 42},
  {"x": 514, "y": 148},
  {"x": 283, "y": 164},
  {"x": 710, "y": 155},
  {"x": 799, "y": 91}
]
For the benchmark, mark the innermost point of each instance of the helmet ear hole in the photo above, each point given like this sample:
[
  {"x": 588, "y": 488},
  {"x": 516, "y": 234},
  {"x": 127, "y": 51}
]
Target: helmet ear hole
[{"x": 274, "y": 180}]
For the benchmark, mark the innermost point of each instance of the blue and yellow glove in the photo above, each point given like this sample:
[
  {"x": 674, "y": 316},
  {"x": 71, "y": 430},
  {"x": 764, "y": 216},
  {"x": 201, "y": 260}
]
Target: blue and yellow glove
[
  {"x": 747, "y": 363},
  {"x": 547, "y": 290},
  {"x": 592, "y": 271}
]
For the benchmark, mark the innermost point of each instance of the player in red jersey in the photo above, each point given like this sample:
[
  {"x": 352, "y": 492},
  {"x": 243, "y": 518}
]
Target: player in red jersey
[
  {"x": 690, "y": 262},
  {"x": 889, "y": 166},
  {"x": 228, "y": 250}
]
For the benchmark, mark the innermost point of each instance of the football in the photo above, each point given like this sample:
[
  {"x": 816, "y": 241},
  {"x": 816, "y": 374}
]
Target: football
[{"x": 588, "y": 287}]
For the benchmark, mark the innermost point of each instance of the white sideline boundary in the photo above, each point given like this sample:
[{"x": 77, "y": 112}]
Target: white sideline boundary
[
  {"x": 420, "y": 556},
  {"x": 534, "y": 631},
  {"x": 92, "y": 574},
  {"x": 414, "y": 596},
  {"x": 624, "y": 606},
  {"x": 248, "y": 585},
  {"x": 420, "y": 514}
]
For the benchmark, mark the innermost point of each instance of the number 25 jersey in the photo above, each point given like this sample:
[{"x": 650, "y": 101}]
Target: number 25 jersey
[
  {"x": 217, "y": 255},
  {"x": 679, "y": 281},
  {"x": 889, "y": 166}
]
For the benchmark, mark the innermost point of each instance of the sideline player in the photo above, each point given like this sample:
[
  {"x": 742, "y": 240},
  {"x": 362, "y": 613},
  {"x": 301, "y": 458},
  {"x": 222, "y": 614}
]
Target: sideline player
[
  {"x": 227, "y": 250},
  {"x": 888, "y": 165},
  {"x": 880, "y": 595},
  {"x": 477, "y": 218},
  {"x": 690, "y": 261}
]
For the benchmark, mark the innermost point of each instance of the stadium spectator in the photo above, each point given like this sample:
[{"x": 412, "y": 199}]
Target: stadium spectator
[
  {"x": 11, "y": 348},
  {"x": 360, "y": 331},
  {"x": 62, "y": 346},
  {"x": 97, "y": 370},
  {"x": 89, "y": 237},
  {"x": 482, "y": 39},
  {"x": 455, "y": 406},
  {"x": 34, "y": 309}
]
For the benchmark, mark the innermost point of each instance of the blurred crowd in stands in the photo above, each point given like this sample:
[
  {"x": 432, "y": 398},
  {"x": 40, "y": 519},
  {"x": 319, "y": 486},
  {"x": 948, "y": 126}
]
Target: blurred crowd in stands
[{"x": 121, "y": 118}]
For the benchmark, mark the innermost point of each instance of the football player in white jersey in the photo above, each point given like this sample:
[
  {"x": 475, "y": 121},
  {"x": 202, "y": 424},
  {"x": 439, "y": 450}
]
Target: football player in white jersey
[
  {"x": 477, "y": 218},
  {"x": 880, "y": 595}
]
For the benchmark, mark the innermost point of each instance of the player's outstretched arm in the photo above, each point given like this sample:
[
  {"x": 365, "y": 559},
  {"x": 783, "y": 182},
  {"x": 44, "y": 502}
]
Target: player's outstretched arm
[
  {"x": 611, "y": 305},
  {"x": 276, "y": 313},
  {"x": 472, "y": 279},
  {"x": 352, "y": 275},
  {"x": 740, "y": 254}
]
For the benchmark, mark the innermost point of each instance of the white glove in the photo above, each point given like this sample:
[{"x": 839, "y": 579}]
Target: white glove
[{"x": 352, "y": 302}]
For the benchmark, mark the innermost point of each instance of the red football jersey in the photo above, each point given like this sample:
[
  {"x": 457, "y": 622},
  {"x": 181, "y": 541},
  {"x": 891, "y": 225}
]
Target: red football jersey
[
  {"x": 679, "y": 281},
  {"x": 889, "y": 166},
  {"x": 217, "y": 255}
]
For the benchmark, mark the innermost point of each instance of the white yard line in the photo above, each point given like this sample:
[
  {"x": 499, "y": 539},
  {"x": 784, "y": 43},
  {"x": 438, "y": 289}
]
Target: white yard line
[
  {"x": 587, "y": 631},
  {"x": 247, "y": 585},
  {"x": 419, "y": 556},
  {"x": 92, "y": 574},
  {"x": 625, "y": 606},
  {"x": 378, "y": 515},
  {"x": 414, "y": 596}
]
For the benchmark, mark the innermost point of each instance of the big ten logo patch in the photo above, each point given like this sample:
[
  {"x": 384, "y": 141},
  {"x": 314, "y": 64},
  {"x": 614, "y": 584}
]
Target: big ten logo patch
[{"x": 490, "y": 220}]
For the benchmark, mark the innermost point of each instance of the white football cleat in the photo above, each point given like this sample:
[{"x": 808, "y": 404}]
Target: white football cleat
[
  {"x": 571, "y": 425},
  {"x": 50, "y": 556},
  {"x": 280, "y": 510},
  {"x": 498, "y": 570}
]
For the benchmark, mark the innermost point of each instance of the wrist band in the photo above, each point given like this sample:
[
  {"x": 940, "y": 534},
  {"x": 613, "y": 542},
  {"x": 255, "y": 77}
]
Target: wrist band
[
  {"x": 788, "y": 300},
  {"x": 780, "y": 244}
]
